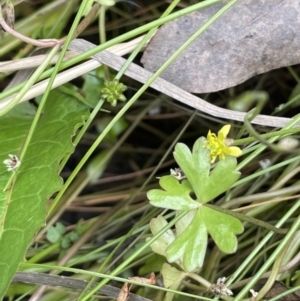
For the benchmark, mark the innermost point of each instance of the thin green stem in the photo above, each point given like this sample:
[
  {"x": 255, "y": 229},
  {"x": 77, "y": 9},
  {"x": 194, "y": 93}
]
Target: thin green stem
[
  {"x": 33, "y": 79},
  {"x": 261, "y": 148},
  {"x": 274, "y": 273},
  {"x": 127, "y": 261},
  {"x": 144, "y": 41},
  {"x": 137, "y": 95},
  {"x": 254, "y": 252},
  {"x": 281, "y": 133},
  {"x": 120, "y": 39},
  {"x": 294, "y": 74},
  {"x": 247, "y": 123},
  {"x": 44, "y": 253},
  {"x": 37, "y": 115},
  {"x": 120, "y": 267},
  {"x": 248, "y": 219},
  {"x": 248, "y": 268},
  {"x": 102, "y": 33},
  {"x": 264, "y": 171},
  {"x": 286, "y": 293},
  {"x": 81, "y": 133},
  {"x": 274, "y": 255}
]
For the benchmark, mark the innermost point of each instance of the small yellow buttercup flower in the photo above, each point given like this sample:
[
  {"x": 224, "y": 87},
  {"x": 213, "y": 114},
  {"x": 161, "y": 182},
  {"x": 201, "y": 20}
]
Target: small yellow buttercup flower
[{"x": 220, "y": 146}]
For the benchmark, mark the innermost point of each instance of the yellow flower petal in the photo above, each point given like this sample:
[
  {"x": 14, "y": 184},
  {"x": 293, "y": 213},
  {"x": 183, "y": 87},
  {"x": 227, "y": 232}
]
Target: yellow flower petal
[
  {"x": 224, "y": 131},
  {"x": 233, "y": 151},
  {"x": 218, "y": 145}
]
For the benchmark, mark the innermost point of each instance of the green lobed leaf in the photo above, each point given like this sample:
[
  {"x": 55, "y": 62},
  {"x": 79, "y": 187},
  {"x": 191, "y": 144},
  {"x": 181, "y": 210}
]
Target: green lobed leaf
[
  {"x": 190, "y": 246},
  {"x": 73, "y": 236},
  {"x": 175, "y": 195},
  {"x": 196, "y": 167},
  {"x": 184, "y": 222},
  {"x": 222, "y": 228},
  {"x": 160, "y": 245},
  {"x": 222, "y": 177},
  {"x": 172, "y": 279},
  {"x": 23, "y": 205}
]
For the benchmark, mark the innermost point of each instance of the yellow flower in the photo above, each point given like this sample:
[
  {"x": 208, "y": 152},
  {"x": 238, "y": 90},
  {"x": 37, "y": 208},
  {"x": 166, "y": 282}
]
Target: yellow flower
[{"x": 220, "y": 146}]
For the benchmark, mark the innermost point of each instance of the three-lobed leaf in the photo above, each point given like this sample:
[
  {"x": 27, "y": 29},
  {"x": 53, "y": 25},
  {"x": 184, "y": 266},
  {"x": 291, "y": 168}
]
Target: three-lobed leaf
[
  {"x": 188, "y": 247},
  {"x": 196, "y": 166},
  {"x": 222, "y": 228},
  {"x": 160, "y": 245},
  {"x": 172, "y": 279},
  {"x": 175, "y": 195}
]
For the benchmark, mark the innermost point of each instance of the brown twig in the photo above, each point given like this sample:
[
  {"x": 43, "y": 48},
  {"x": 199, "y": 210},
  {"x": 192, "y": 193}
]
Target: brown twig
[
  {"x": 46, "y": 43},
  {"x": 68, "y": 282}
]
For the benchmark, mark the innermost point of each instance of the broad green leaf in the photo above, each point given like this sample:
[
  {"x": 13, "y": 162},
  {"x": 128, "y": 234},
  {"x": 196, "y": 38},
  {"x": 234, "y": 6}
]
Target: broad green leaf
[
  {"x": 196, "y": 167},
  {"x": 222, "y": 228},
  {"x": 172, "y": 279},
  {"x": 222, "y": 177},
  {"x": 161, "y": 244},
  {"x": 175, "y": 195},
  {"x": 190, "y": 246},
  {"x": 23, "y": 205},
  {"x": 184, "y": 222}
]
